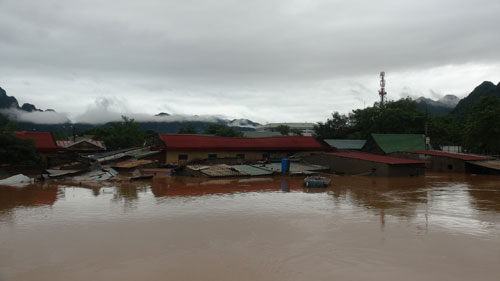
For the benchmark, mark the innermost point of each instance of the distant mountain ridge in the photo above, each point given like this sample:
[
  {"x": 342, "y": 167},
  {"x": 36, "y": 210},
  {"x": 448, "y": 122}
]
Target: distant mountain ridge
[
  {"x": 158, "y": 125},
  {"x": 7, "y": 102},
  {"x": 440, "y": 107},
  {"x": 485, "y": 89}
]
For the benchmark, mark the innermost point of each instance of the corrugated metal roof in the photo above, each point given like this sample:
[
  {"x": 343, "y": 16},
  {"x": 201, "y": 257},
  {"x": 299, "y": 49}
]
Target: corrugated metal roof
[
  {"x": 466, "y": 157},
  {"x": 206, "y": 143},
  {"x": 251, "y": 170},
  {"x": 346, "y": 144},
  {"x": 146, "y": 154},
  {"x": 399, "y": 142},
  {"x": 44, "y": 142},
  {"x": 375, "y": 158},
  {"x": 68, "y": 144},
  {"x": 492, "y": 164},
  {"x": 132, "y": 164},
  {"x": 221, "y": 170}
]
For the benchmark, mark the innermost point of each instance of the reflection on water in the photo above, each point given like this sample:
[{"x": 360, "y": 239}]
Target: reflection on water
[{"x": 254, "y": 229}]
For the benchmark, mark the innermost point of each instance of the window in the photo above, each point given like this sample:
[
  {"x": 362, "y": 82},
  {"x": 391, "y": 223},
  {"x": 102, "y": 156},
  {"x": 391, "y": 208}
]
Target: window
[
  {"x": 240, "y": 156},
  {"x": 182, "y": 157},
  {"x": 212, "y": 156},
  {"x": 450, "y": 167}
]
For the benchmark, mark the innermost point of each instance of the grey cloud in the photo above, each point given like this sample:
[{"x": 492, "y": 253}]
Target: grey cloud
[
  {"x": 37, "y": 117},
  {"x": 261, "y": 59}
]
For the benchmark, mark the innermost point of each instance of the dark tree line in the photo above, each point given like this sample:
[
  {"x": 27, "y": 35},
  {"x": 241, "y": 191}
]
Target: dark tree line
[
  {"x": 477, "y": 131},
  {"x": 13, "y": 150}
]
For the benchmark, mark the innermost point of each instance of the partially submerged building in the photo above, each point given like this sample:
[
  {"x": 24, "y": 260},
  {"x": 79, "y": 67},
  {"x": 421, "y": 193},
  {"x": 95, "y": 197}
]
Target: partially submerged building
[
  {"x": 383, "y": 144},
  {"x": 355, "y": 163},
  {"x": 182, "y": 149},
  {"x": 440, "y": 161}
]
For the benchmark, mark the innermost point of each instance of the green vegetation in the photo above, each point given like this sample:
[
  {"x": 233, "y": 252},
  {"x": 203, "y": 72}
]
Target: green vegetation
[
  {"x": 477, "y": 130},
  {"x": 13, "y": 150},
  {"x": 189, "y": 129},
  {"x": 222, "y": 131},
  {"x": 396, "y": 117},
  {"x": 119, "y": 135},
  {"x": 284, "y": 130},
  {"x": 482, "y": 129},
  {"x": 296, "y": 132}
]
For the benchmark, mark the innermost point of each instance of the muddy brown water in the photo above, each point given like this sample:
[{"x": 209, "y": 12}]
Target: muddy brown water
[{"x": 438, "y": 227}]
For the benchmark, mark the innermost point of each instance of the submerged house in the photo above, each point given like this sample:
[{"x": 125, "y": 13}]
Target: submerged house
[
  {"x": 440, "y": 161},
  {"x": 356, "y": 163},
  {"x": 383, "y": 144},
  {"x": 182, "y": 149}
]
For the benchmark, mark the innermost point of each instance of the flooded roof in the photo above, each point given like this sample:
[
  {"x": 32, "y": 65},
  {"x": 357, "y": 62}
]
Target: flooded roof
[
  {"x": 132, "y": 164},
  {"x": 492, "y": 164},
  {"x": 44, "y": 141},
  {"x": 466, "y": 157},
  {"x": 346, "y": 144},
  {"x": 375, "y": 158},
  {"x": 251, "y": 170},
  {"x": 399, "y": 142},
  {"x": 68, "y": 144},
  {"x": 211, "y": 143},
  {"x": 221, "y": 170}
]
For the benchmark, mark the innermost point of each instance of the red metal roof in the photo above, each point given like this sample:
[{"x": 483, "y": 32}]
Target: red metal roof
[
  {"x": 375, "y": 158},
  {"x": 44, "y": 142},
  {"x": 210, "y": 143},
  {"x": 465, "y": 157}
]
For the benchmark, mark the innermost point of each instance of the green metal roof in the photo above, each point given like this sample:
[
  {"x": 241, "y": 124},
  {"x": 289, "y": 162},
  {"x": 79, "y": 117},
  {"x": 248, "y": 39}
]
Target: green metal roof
[
  {"x": 399, "y": 142},
  {"x": 346, "y": 144}
]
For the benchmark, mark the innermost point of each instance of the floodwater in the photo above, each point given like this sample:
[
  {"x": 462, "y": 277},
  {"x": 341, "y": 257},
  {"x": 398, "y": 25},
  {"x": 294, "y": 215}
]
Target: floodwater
[{"x": 438, "y": 227}]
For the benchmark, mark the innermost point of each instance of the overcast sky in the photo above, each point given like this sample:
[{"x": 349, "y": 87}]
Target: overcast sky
[{"x": 266, "y": 60}]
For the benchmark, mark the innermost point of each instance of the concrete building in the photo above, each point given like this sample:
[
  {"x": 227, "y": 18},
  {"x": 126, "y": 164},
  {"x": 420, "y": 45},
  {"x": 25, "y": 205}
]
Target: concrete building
[
  {"x": 440, "y": 161},
  {"x": 182, "y": 149},
  {"x": 307, "y": 129},
  {"x": 355, "y": 163}
]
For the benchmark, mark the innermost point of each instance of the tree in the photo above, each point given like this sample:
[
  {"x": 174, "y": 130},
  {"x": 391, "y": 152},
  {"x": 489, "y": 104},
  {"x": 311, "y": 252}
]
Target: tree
[
  {"x": 395, "y": 117},
  {"x": 222, "y": 131},
  {"x": 482, "y": 128},
  {"x": 284, "y": 130},
  {"x": 189, "y": 129},
  {"x": 338, "y": 127},
  {"x": 13, "y": 150},
  {"x": 296, "y": 132},
  {"x": 119, "y": 135}
]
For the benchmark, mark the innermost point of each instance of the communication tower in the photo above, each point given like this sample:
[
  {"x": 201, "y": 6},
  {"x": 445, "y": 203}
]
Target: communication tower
[{"x": 382, "y": 93}]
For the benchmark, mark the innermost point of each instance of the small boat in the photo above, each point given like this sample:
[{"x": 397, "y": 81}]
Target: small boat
[{"x": 317, "y": 181}]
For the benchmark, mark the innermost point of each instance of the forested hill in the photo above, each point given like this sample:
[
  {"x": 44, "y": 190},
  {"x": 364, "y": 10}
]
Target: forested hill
[{"x": 486, "y": 89}]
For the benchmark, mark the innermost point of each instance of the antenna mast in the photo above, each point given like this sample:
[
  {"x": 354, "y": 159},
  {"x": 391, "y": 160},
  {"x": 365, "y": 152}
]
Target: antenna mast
[{"x": 382, "y": 93}]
